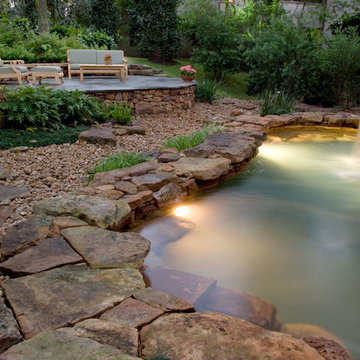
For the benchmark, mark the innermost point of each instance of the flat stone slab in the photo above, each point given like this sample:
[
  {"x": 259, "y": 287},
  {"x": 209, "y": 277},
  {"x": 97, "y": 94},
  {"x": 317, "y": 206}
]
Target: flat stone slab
[
  {"x": 342, "y": 118},
  {"x": 169, "y": 194},
  {"x": 242, "y": 305},
  {"x": 107, "y": 249},
  {"x": 97, "y": 211},
  {"x": 63, "y": 344},
  {"x": 213, "y": 336},
  {"x": 12, "y": 192},
  {"x": 186, "y": 286},
  {"x": 9, "y": 332},
  {"x": 233, "y": 146},
  {"x": 67, "y": 295},
  {"x": 103, "y": 135},
  {"x": 153, "y": 181},
  {"x": 5, "y": 212},
  {"x": 4, "y": 174},
  {"x": 132, "y": 313},
  {"x": 123, "y": 338},
  {"x": 126, "y": 187},
  {"x": 163, "y": 301},
  {"x": 24, "y": 235},
  {"x": 46, "y": 254},
  {"x": 202, "y": 169}
]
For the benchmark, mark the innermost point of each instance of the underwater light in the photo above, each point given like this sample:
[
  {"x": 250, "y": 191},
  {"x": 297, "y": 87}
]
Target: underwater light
[{"x": 181, "y": 211}]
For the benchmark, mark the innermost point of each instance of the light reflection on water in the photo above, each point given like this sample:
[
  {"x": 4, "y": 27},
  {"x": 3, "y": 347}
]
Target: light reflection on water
[{"x": 287, "y": 230}]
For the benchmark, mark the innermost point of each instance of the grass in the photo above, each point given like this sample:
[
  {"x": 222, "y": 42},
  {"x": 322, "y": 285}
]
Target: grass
[
  {"x": 182, "y": 142},
  {"x": 276, "y": 103},
  {"x": 10, "y": 138},
  {"x": 233, "y": 85},
  {"x": 118, "y": 161}
]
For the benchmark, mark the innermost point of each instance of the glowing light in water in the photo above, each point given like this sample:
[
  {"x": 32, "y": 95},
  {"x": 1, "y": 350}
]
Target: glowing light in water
[{"x": 181, "y": 211}]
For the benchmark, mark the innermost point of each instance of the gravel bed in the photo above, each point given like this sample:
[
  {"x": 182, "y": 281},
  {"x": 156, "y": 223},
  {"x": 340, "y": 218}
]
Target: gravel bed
[{"x": 53, "y": 170}]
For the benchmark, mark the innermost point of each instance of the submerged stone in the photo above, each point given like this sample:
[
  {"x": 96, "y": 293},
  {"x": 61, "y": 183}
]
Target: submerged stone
[
  {"x": 107, "y": 249},
  {"x": 97, "y": 211},
  {"x": 67, "y": 295},
  {"x": 213, "y": 336},
  {"x": 63, "y": 344}
]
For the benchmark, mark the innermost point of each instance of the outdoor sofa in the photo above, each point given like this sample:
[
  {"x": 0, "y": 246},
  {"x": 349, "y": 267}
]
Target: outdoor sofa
[
  {"x": 13, "y": 69},
  {"x": 77, "y": 57}
]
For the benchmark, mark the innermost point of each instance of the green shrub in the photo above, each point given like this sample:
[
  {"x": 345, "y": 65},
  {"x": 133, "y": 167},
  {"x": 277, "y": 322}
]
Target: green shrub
[
  {"x": 276, "y": 103},
  {"x": 118, "y": 161},
  {"x": 45, "y": 108},
  {"x": 120, "y": 113},
  {"x": 182, "y": 142},
  {"x": 206, "y": 90},
  {"x": 10, "y": 138},
  {"x": 281, "y": 57},
  {"x": 153, "y": 28}
]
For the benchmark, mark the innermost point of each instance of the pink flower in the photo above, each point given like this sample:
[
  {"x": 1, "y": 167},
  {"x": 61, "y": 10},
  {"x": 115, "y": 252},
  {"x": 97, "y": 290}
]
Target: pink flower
[{"x": 187, "y": 70}]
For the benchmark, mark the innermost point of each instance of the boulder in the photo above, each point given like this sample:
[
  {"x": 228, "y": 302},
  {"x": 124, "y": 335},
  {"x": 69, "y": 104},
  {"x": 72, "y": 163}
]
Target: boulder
[
  {"x": 12, "y": 192},
  {"x": 189, "y": 287},
  {"x": 327, "y": 348},
  {"x": 67, "y": 295},
  {"x": 103, "y": 136},
  {"x": 132, "y": 313},
  {"x": 168, "y": 157},
  {"x": 46, "y": 254},
  {"x": 25, "y": 234},
  {"x": 254, "y": 120},
  {"x": 214, "y": 336},
  {"x": 169, "y": 194},
  {"x": 95, "y": 210},
  {"x": 300, "y": 330},
  {"x": 4, "y": 174},
  {"x": 233, "y": 146},
  {"x": 163, "y": 301},
  {"x": 134, "y": 201},
  {"x": 107, "y": 249},
  {"x": 63, "y": 344},
  {"x": 143, "y": 107},
  {"x": 128, "y": 130},
  {"x": 342, "y": 118},
  {"x": 9, "y": 332},
  {"x": 310, "y": 117},
  {"x": 242, "y": 305},
  {"x": 202, "y": 169},
  {"x": 123, "y": 338},
  {"x": 126, "y": 187},
  {"x": 153, "y": 181}
]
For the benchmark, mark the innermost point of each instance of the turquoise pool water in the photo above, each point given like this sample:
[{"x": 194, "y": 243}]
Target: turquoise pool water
[{"x": 286, "y": 230}]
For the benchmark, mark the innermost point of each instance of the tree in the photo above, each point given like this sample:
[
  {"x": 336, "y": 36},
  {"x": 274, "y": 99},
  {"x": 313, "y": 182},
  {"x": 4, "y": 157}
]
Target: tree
[
  {"x": 153, "y": 28},
  {"x": 105, "y": 16},
  {"x": 43, "y": 16}
]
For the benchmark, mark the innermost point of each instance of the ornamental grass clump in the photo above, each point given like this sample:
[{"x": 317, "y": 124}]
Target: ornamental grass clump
[
  {"x": 182, "y": 142},
  {"x": 276, "y": 103},
  {"x": 120, "y": 113},
  {"x": 206, "y": 90},
  {"x": 118, "y": 161}
]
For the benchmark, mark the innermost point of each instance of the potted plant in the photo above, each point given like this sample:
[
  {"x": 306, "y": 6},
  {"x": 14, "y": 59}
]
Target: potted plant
[
  {"x": 187, "y": 73},
  {"x": 107, "y": 59}
]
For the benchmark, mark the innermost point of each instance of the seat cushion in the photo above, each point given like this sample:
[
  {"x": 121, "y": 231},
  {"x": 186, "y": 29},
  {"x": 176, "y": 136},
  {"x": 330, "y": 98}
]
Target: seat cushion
[
  {"x": 46, "y": 69},
  {"x": 117, "y": 56},
  {"x": 75, "y": 66},
  {"x": 9, "y": 70},
  {"x": 81, "y": 56}
]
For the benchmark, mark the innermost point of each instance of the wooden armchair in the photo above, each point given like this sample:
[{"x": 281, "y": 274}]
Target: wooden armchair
[{"x": 13, "y": 69}]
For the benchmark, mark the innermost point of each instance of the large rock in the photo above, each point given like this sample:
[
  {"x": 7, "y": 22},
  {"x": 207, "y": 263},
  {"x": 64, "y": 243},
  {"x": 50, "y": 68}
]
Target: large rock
[
  {"x": 107, "y": 249},
  {"x": 63, "y": 344},
  {"x": 97, "y": 211},
  {"x": 213, "y": 336},
  {"x": 132, "y": 313},
  {"x": 9, "y": 332},
  {"x": 67, "y": 295},
  {"x": 233, "y": 146},
  {"x": 255, "y": 120},
  {"x": 5, "y": 212},
  {"x": 46, "y": 254},
  {"x": 4, "y": 174},
  {"x": 153, "y": 181},
  {"x": 242, "y": 305},
  {"x": 134, "y": 201},
  {"x": 163, "y": 301},
  {"x": 123, "y": 338},
  {"x": 190, "y": 287},
  {"x": 11, "y": 192},
  {"x": 327, "y": 348},
  {"x": 202, "y": 169},
  {"x": 25, "y": 234},
  {"x": 342, "y": 118},
  {"x": 169, "y": 194},
  {"x": 103, "y": 135}
]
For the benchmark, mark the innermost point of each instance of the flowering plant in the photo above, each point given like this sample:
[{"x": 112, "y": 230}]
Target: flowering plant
[
  {"x": 107, "y": 56},
  {"x": 187, "y": 70}
]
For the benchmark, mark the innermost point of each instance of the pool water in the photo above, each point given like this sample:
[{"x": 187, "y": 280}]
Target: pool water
[{"x": 286, "y": 230}]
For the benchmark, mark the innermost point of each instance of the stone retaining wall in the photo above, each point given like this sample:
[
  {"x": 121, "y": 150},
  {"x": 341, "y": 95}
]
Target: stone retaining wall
[{"x": 154, "y": 101}]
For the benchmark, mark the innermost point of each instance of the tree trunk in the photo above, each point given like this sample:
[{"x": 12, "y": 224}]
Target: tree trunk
[{"x": 43, "y": 17}]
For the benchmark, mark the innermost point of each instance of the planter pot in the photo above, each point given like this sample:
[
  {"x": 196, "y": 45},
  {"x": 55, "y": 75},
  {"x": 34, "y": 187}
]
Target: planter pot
[
  {"x": 107, "y": 61},
  {"x": 187, "y": 78}
]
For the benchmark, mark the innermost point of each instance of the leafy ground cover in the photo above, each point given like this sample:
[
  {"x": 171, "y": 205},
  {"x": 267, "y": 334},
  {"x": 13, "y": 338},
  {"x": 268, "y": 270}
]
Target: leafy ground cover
[{"x": 10, "y": 138}]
